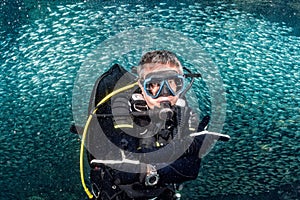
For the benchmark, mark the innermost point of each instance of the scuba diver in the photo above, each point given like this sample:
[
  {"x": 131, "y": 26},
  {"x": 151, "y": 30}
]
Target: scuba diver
[{"x": 143, "y": 141}]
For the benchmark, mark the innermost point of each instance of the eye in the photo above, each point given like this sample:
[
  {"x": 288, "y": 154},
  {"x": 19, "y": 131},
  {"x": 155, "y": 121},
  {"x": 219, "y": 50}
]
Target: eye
[
  {"x": 154, "y": 85},
  {"x": 171, "y": 82}
]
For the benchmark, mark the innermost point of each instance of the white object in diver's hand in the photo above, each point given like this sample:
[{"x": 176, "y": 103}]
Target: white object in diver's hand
[
  {"x": 210, "y": 138},
  {"x": 111, "y": 162},
  {"x": 217, "y": 136}
]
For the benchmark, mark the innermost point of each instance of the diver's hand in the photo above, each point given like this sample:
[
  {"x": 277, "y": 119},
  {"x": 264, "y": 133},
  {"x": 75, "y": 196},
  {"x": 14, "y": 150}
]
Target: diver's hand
[
  {"x": 203, "y": 124},
  {"x": 205, "y": 140}
]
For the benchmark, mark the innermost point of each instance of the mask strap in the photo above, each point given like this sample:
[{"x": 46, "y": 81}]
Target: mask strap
[{"x": 189, "y": 75}]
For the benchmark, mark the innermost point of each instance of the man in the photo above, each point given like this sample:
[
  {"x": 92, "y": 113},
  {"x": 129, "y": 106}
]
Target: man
[{"x": 151, "y": 128}]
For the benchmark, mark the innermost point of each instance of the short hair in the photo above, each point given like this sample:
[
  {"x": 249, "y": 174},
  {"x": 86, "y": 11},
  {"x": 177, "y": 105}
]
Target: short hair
[{"x": 160, "y": 57}]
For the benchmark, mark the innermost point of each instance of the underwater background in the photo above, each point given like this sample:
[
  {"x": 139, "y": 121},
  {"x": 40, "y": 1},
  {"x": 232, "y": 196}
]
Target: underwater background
[{"x": 254, "y": 44}]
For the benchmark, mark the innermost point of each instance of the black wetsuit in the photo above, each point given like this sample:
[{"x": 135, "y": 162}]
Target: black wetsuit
[{"x": 164, "y": 144}]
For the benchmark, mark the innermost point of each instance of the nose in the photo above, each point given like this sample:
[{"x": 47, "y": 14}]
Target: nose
[{"x": 165, "y": 91}]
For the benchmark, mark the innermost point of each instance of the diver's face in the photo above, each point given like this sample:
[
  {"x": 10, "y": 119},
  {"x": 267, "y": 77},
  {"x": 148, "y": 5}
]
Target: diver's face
[{"x": 154, "y": 88}]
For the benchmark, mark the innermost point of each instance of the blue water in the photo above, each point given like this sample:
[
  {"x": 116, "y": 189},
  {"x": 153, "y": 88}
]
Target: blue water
[{"x": 253, "y": 57}]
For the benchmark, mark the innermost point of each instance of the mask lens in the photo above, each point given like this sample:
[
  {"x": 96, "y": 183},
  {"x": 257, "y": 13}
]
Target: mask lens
[
  {"x": 175, "y": 84},
  {"x": 154, "y": 87}
]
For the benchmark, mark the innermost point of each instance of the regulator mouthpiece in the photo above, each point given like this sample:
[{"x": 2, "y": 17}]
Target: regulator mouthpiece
[{"x": 165, "y": 112}]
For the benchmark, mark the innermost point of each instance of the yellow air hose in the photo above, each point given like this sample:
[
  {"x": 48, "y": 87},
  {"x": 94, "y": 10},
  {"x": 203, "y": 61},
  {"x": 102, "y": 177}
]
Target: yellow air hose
[{"x": 85, "y": 130}]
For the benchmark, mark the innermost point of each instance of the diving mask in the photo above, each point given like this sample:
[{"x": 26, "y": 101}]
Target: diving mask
[{"x": 163, "y": 83}]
